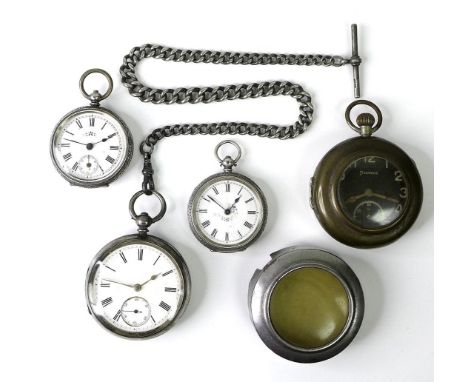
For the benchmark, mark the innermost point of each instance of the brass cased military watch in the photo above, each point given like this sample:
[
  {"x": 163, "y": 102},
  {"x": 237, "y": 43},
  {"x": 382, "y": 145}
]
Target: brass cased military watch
[{"x": 366, "y": 191}]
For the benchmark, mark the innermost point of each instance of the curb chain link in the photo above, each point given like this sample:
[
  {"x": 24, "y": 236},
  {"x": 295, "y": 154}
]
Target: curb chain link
[
  {"x": 195, "y": 95},
  {"x": 221, "y": 93}
]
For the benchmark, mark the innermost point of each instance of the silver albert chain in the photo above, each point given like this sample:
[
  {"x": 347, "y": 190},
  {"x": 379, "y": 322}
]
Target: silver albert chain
[{"x": 230, "y": 92}]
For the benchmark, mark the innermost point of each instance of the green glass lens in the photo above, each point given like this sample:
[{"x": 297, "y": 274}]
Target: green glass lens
[{"x": 309, "y": 307}]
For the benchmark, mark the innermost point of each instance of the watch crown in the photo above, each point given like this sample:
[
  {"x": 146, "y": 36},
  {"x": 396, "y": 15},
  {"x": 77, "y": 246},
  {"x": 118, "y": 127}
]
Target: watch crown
[
  {"x": 228, "y": 163},
  {"x": 143, "y": 221},
  {"x": 95, "y": 97},
  {"x": 365, "y": 121}
]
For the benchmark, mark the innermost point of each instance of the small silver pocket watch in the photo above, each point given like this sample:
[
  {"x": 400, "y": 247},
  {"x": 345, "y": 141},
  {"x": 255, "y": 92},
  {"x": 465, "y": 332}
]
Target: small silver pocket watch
[
  {"x": 227, "y": 211},
  {"x": 91, "y": 146},
  {"x": 138, "y": 285}
]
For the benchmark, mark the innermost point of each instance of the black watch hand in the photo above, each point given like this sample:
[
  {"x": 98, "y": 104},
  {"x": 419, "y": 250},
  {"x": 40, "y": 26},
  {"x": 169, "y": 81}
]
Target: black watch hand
[
  {"x": 235, "y": 201},
  {"x": 71, "y": 140},
  {"x": 214, "y": 200},
  {"x": 105, "y": 139}
]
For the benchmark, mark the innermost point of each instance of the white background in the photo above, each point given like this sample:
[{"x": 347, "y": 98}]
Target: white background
[{"x": 51, "y": 231}]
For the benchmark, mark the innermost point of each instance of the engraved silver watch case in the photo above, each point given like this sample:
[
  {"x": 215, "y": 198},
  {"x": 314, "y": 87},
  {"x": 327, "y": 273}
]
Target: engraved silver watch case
[
  {"x": 263, "y": 283},
  {"x": 98, "y": 128},
  {"x": 242, "y": 225}
]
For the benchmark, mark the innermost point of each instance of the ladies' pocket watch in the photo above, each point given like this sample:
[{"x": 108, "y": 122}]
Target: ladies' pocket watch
[
  {"x": 366, "y": 192},
  {"x": 91, "y": 146},
  {"x": 227, "y": 211},
  {"x": 138, "y": 285}
]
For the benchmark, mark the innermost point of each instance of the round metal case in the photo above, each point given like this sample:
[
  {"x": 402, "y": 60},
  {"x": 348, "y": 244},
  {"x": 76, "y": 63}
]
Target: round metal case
[
  {"x": 227, "y": 211},
  {"x": 137, "y": 287},
  {"x": 206, "y": 237},
  {"x": 265, "y": 282},
  {"x": 118, "y": 156},
  {"x": 91, "y": 146},
  {"x": 366, "y": 192}
]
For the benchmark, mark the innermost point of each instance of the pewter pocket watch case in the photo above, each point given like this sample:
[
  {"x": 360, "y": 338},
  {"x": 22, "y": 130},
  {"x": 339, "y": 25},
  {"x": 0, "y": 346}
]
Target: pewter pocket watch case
[
  {"x": 227, "y": 212},
  {"x": 91, "y": 146},
  {"x": 366, "y": 191},
  {"x": 306, "y": 304}
]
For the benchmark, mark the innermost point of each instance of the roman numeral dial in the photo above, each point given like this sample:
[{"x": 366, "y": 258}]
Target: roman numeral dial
[
  {"x": 135, "y": 288},
  {"x": 106, "y": 301},
  {"x": 227, "y": 212},
  {"x": 90, "y": 145}
]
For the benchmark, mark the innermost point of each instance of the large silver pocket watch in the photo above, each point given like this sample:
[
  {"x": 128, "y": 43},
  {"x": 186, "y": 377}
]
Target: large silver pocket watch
[
  {"x": 227, "y": 211},
  {"x": 91, "y": 146},
  {"x": 138, "y": 285}
]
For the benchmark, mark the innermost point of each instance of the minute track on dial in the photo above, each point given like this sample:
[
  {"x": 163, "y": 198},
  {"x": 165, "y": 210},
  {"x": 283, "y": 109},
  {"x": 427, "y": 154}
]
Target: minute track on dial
[
  {"x": 131, "y": 299},
  {"x": 83, "y": 142},
  {"x": 227, "y": 211},
  {"x": 226, "y": 221},
  {"x": 91, "y": 130}
]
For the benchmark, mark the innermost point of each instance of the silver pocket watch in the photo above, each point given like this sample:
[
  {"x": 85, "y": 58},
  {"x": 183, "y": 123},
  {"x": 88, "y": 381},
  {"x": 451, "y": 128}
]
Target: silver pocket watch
[
  {"x": 138, "y": 285},
  {"x": 91, "y": 146},
  {"x": 227, "y": 211}
]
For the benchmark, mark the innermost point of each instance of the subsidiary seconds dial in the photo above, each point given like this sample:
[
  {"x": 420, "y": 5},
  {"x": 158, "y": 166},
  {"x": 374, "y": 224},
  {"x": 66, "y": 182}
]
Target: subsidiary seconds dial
[
  {"x": 91, "y": 146},
  {"x": 373, "y": 192},
  {"x": 137, "y": 287},
  {"x": 366, "y": 191}
]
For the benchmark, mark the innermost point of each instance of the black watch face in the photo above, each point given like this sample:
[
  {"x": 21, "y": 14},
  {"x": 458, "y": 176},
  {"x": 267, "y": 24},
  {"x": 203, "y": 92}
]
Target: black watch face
[{"x": 372, "y": 192}]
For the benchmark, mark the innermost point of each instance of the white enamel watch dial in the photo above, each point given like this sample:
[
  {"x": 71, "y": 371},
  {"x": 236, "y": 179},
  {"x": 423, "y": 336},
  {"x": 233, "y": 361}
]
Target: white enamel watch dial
[
  {"x": 137, "y": 287},
  {"x": 227, "y": 212},
  {"x": 91, "y": 147}
]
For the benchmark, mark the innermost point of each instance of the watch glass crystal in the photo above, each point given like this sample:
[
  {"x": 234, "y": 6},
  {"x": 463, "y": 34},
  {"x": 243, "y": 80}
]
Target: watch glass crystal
[
  {"x": 136, "y": 288},
  {"x": 90, "y": 146},
  {"x": 228, "y": 211},
  {"x": 372, "y": 192}
]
